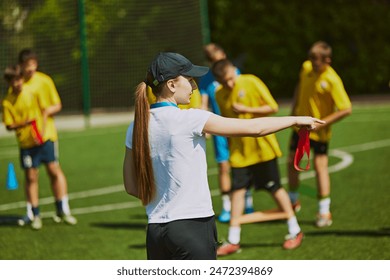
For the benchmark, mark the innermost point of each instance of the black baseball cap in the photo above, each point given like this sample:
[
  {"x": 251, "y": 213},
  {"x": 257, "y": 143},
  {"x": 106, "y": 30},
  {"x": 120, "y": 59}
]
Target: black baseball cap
[{"x": 168, "y": 65}]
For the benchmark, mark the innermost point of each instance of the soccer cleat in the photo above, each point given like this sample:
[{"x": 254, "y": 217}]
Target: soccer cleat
[
  {"x": 36, "y": 223},
  {"x": 224, "y": 217},
  {"x": 324, "y": 220},
  {"x": 293, "y": 242},
  {"x": 67, "y": 219},
  {"x": 228, "y": 249},
  {"x": 296, "y": 206}
]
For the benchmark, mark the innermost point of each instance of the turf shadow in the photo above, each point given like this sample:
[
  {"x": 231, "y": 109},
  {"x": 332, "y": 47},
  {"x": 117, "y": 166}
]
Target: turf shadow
[
  {"x": 122, "y": 225},
  {"x": 138, "y": 246},
  {"x": 382, "y": 232},
  {"x": 6, "y": 220}
]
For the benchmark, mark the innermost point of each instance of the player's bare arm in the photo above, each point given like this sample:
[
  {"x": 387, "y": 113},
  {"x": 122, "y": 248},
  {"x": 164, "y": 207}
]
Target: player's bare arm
[
  {"x": 129, "y": 174},
  {"x": 255, "y": 127}
]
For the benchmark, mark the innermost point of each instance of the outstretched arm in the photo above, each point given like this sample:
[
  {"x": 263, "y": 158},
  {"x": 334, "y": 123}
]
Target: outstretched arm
[
  {"x": 255, "y": 127},
  {"x": 129, "y": 173}
]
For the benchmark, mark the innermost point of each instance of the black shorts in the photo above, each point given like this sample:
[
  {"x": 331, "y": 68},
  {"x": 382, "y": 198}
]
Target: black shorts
[
  {"x": 190, "y": 239},
  {"x": 264, "y": 175},
  {"x": 319, "y": 148}
]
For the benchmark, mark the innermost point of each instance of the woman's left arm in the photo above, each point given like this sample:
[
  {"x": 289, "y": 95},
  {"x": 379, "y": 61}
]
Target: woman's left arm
[{"x": 129, "y": 173}]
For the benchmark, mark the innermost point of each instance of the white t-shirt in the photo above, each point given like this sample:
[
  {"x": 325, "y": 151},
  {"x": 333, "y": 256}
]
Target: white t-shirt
[{"x": 178, "y": 151}]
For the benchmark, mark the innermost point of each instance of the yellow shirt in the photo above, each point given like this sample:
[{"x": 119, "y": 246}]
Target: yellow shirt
[
  {"x": 42, "y": 85},
  {"x": 195, "y": 101},
  {"x": 19, "y": 108},
  {"x": 320, "y": 95},
  {"x": 249, "y": 90}
]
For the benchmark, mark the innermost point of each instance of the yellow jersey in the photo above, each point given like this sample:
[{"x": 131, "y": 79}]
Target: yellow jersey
[
  {"x": 42, "y": 85},
  {"x": 250, "y": 91},
  {"x": 319, "y": 95},
  {"x": 19, "y": 108}
]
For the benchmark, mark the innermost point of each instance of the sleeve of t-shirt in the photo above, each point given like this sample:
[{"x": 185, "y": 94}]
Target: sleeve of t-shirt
[
  {"x": 339, "y": 95},
  {"x": 51, "y": 92},
  {"x": 265, "y": 94},
  {"x": 129, "y": 136},
  {"x": 7, "y": 114},
  {"x": 197, "y": 119}
]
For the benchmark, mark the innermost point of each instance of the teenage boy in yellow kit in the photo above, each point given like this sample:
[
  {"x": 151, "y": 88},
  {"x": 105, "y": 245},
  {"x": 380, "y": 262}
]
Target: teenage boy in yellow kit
[
  {"x": 43, "y": 87},
  {"x": 22, "y": 114},
  {"x": 320, "y": 93},
  {"x": 253, "y": 160}
]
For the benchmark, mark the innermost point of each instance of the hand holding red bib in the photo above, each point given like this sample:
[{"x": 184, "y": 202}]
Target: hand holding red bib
[
  {"x": 302, "y": 148},
  {"x": 37, "y": 135}
]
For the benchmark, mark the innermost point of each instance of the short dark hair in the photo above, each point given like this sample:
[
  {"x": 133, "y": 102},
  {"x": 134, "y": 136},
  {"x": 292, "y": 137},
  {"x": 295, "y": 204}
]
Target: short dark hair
[
  {"x": 27, "y": 54},
  {"x": 322, "y": 48},
  {"x": 219, "y": 68},
  {"x": 12, "y": 72}
]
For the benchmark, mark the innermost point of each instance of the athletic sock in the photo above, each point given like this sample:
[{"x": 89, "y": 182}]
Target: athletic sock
[
  {"x": 226, "y": 204},
  {"x": 248, "y": 199},
  {"x": 294, "y": 196},
  {"x": 29, "y": 211},
  {"x": 324, "y": 205},
  {"x": 35, "y": 211},
  {"x": 293, "y": 226},
  {"x": 62, "y": 206},
  {"x": 234, "y": 235}
]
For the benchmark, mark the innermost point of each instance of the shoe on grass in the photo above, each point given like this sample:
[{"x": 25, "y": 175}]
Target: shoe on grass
[
  {"x": 293, "y": 242},
  {"x": 324, "y": 220},
  {"x": 224, "y": 217},
  {"x": 67, "y": 219},
  {"x": 36, "y": 223},
  {"x": 228, "y": 249}
]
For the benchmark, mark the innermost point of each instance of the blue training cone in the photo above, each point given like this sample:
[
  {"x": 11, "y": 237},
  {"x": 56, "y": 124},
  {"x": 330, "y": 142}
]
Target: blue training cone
[{"x": 12, "y": 183}]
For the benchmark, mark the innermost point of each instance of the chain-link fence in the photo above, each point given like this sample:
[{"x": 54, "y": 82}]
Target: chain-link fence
[{"x": 121, "y": 38}]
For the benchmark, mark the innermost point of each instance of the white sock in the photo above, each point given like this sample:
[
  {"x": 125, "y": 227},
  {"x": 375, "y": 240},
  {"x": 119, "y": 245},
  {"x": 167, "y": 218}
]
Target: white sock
[
  {"x": 324, "y": 205},
  {"x": 234, "y": 235},
  {"x": 65, "y": 205},
  {"x": 248, "y": 199},
  {"x": 29, "y": 211},
  {"x": 294, "y": 196},
  {"x": 293, "y": 226},
  {"x": 226, "y": 204}
]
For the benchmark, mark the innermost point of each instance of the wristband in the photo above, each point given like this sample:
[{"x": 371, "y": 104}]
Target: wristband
[{"x": 302, "y": 148}]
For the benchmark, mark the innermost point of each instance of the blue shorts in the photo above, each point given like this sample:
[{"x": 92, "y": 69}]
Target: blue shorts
[
  {"x": 33, "y": 157},
  {"x": 221, "y": 148}
]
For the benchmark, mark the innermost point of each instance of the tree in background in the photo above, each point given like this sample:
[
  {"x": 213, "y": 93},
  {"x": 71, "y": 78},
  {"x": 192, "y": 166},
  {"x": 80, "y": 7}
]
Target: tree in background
[{"x": 270, "y": 39}]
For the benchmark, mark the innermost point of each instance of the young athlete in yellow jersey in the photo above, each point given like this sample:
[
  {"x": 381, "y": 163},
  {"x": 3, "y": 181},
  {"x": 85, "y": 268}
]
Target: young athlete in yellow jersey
[
  {"x": 320, "y": 93},
  {"x": 253, "y": 160},
  {"x": 22, "y": 114},
  {"x": 43, "y": 87}
]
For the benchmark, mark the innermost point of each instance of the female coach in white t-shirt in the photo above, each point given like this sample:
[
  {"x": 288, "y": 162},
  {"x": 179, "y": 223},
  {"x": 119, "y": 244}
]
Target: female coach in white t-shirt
[{"x": 165, "y": 160}]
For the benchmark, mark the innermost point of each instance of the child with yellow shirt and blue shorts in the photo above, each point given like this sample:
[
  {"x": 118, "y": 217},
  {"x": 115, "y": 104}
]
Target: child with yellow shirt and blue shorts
[
  {"x": 21, "y": 113},
  {"x": 253, "y": 160},
  {"x": 320, "y": 93},
  {"x": 42, "y": 86}
]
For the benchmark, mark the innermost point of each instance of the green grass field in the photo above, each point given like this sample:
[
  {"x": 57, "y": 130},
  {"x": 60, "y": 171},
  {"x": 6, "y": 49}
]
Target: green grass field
[{"x": 112, "y": 224}]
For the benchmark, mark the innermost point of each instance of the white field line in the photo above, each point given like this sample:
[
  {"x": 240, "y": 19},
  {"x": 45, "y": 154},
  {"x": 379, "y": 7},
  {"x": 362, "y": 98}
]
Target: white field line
[{"x": 342, "y": 153}]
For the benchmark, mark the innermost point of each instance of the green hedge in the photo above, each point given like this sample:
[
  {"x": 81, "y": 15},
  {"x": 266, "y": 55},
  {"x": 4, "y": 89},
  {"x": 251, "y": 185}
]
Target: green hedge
[{"x": 271, "y": 39}]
